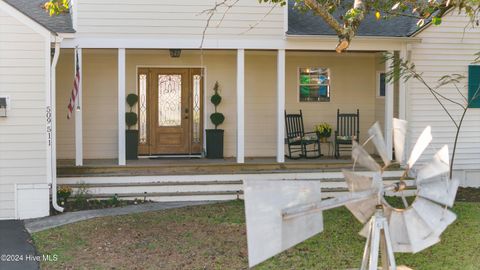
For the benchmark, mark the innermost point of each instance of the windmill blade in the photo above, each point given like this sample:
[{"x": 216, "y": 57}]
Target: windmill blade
[
  {"x": 267, "y": 232},
  {"x": 421, "y": 236},
  {"x": 362, "y": 210},
  {"x": 436, "y": 217},
  {"x": 379, "y": 142},
  {"x": 439, "y": 190},
  {"x": 439, "y": 165},
  {"x": 360, "y": 155},
  {"x": 357, "y": 182},
  {"x": 399, "y": 134},
  {"x": 398, "y": 232},
  {"x": 422, "y": 142}
]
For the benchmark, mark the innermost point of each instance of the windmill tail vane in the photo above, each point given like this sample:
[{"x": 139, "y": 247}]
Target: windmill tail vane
[{"x": 280, "y": 214}]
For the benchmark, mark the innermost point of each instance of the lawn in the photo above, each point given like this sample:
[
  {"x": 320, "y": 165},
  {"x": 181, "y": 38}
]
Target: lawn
[{"x": 214, "y": 237}]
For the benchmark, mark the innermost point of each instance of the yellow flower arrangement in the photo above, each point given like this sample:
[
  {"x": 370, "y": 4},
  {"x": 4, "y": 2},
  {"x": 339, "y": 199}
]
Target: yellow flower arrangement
[{"x": 324, "y": 130}]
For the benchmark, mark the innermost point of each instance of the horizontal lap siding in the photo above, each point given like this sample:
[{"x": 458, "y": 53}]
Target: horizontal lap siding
[
  {"x": 352, "y": 87},
  {"x": 150, "y": 18},
  {"x": 444, "y": 50},
  {"x": 22, "y": 133},
  {"x": 99, "y": 109}
]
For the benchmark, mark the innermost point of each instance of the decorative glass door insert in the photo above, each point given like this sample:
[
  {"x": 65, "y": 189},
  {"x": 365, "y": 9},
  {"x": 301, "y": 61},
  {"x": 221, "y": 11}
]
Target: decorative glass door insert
[{"x": 169, "y": 100}]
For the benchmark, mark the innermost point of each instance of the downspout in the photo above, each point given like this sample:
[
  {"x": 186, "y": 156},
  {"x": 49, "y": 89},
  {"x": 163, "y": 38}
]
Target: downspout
[{"x": 53, "y": 78}]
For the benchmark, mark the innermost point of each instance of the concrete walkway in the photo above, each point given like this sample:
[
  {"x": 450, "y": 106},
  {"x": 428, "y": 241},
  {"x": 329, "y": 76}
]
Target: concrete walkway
[
  {"x": 16, "y": 247},
  {"x": 40, "y": 224}
]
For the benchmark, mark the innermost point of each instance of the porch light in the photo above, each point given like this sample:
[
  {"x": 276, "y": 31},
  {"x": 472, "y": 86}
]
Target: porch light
[
  {"x": 78, "y": 108},
  {"x": 175, "y": 53}
]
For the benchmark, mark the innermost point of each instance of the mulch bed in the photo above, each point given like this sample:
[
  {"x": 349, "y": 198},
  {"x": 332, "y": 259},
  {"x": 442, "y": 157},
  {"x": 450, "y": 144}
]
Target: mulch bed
[{"x": 468, "y": 194}]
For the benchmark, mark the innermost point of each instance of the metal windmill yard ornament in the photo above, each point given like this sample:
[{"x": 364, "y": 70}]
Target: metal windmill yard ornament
[{"x": 281, "y": 214}]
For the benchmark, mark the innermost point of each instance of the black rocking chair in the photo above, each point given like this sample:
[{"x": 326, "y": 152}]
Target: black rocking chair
[
  {"x": 298, "y": 140},
  {"x": 348, "y": 129}
]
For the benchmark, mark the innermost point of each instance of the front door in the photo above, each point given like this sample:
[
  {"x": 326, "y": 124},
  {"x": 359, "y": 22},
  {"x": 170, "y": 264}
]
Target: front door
[{"x": 170, "y": 111}]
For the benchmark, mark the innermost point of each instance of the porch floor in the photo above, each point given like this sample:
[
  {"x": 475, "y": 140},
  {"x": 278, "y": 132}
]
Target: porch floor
[{"x": 172, "y": 166}]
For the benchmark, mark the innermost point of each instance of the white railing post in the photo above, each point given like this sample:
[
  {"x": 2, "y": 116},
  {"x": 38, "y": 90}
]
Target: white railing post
[
  {"x": 281, "y": 106},
  {"x": 121, "y": 107},
  {"x": 389, "y": 104},
  {"x": 402, "y": 89},
  {"x": 240, "y": 106}
]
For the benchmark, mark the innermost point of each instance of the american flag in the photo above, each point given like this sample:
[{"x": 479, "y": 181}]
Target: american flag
[{"x": 76, "y": 86}]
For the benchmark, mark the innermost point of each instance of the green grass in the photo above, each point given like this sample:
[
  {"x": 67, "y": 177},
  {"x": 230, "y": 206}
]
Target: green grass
[{"x": 213, "y": 237}]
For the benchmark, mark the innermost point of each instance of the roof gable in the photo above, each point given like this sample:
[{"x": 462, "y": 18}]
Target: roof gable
[{"x": 61, "y": 23}]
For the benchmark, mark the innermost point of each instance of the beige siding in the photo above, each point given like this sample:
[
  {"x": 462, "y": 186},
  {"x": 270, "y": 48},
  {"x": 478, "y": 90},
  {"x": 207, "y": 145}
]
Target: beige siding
[
  {"x": 99, "y": 104},
  {"x": 445, "y": 50},
  {"x": 260, "y": 94},
  {"x": 22, "y": 133},
  {"x": 352, "y": 87},
  {"x": 151, "y": 18}
]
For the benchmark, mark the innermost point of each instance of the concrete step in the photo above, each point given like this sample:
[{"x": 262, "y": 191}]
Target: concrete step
[{"x": 200, "y": 187}]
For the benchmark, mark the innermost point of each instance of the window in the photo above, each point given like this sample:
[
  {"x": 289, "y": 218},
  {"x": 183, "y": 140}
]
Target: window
[
  {"x": 314, "y": 84},
  {"x": 474, "y": 86},
  {"x": 381, "y": 84}
]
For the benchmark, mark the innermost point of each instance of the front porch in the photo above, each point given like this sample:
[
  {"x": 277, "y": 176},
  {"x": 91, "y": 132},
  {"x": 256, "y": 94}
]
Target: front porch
[{"x": 256, "y": 86}]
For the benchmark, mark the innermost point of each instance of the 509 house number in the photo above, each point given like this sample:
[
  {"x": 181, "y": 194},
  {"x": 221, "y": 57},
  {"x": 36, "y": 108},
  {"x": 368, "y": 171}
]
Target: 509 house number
[{"x": 48, "y": 115}]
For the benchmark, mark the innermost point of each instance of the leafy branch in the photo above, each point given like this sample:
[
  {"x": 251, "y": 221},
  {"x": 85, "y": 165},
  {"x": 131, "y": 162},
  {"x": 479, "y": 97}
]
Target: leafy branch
[{"x": 400, "y": 68}]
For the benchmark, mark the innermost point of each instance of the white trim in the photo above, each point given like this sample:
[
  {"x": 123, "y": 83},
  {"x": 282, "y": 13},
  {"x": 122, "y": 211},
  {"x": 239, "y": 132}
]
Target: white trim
[
  {"x": 121, "y": 107},
  {"x": 79, "y": 112},
  {"x": 74, "y": 13},
  {"x": 40, "y": 29},
  {"x": 205, "y": 115},
  {"x": 361, "y": 38},
  {"x": 240, "y": 106},
  {"x": 389, "y": 104},
  {"x": 318, "y": 44},
  {"x": 285, "y": 20},
  {"x": 402, "y": 90},
  {"x": 281, "y": 106},
  {"x": 49, "y": 112},
  {"x": 377, "y": 84}
]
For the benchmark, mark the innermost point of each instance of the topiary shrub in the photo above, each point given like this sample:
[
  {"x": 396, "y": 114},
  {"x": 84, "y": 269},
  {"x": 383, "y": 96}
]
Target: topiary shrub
[
  {"x": 217, "y": 118},
  {"x": 131, "y": 117}
]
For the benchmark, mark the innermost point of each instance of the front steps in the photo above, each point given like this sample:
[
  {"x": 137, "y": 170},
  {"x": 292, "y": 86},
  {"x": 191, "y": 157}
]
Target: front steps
[{"x": 212, "y": 187}]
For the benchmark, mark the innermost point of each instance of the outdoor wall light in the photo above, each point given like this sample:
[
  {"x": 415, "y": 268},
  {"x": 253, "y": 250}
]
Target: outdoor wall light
[{"x": 175, "y": 53}]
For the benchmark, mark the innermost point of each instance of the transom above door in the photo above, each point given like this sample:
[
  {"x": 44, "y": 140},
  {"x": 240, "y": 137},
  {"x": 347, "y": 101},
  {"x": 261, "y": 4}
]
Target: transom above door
[{"x": 170, "y": 111}]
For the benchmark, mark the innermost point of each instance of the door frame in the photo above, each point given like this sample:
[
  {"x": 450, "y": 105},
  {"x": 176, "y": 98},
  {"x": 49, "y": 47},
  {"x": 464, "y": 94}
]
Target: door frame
[{"x": 204, "y": 79}]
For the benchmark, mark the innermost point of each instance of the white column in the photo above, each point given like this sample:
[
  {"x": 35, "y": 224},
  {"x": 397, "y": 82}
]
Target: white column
[
  {"x": 402, "y": 90},
  {"x": 240, "y": 106},
  {"x": 281, "y": 106},
  {"x": 389, "y": 99},
  {"x": 78, "y": 113},
  {"x": 121, "y": 107}
]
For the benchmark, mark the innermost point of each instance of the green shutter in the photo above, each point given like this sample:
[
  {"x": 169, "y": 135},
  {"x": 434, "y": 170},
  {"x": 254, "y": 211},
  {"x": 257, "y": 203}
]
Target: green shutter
[{"x": 473, "y": 85}]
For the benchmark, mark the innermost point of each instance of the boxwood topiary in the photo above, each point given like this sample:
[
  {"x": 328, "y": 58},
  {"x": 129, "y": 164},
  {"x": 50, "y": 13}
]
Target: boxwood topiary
[
  {"x": 131, "y": 117},
  {"x": 217, "y": 118}
]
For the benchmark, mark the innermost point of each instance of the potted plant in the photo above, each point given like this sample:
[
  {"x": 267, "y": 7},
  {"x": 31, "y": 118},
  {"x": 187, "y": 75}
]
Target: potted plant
[
  {"x": 324, "y": 131},
  {"x": 63, "y": 193},
  {"x": 131, "y": 136},
  {"x": 215, "y": 136}
]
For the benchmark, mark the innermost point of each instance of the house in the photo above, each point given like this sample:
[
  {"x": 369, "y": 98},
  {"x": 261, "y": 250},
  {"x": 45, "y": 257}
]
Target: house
[{"x": 258, "y": 53}]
